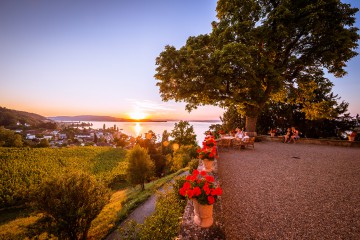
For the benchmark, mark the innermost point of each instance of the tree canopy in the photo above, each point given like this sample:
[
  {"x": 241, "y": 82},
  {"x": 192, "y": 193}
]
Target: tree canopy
[
  {"x": 261, "y": 51},
  {"x": 183, "y": 133},
  {"x": 140, "y": 167}
]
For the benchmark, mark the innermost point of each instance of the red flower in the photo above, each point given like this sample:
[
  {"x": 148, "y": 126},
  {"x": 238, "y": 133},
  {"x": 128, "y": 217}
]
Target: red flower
[
  {"x": 211, "y": 199},
  {"x": 206, "y": 188},
  {"x": 187, "y": 185},
  {"x": 190, "y": 193},
  {"x": 200, "y": 186},
  {"x": 197, "y": 191},
  {"x": 210, "y": 179},
  {"x": 218, "y": 190},
  {"x": 182, "y": 191}
]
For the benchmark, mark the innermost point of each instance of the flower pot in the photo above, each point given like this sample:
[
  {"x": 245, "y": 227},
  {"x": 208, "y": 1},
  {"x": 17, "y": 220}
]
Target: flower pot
[
  {"x": 208, "y": 164},
  {"x": 272, "y": 134},
  {"x": 203, "y": 214},
  {"x": 351, "y": 138}
]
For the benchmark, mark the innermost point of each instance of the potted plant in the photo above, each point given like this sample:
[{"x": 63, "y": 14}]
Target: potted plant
[
  {"x": 202, "y": 190},
  {"x": 208, "y": 153},
  {"x": 209, "y": 142},
  {"x": 352, "y": 136}
]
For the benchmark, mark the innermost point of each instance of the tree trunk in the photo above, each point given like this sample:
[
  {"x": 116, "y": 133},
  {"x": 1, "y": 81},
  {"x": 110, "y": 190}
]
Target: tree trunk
[
  {"x": 142, "y": 186},
  {"x": 250, "y": 126}
]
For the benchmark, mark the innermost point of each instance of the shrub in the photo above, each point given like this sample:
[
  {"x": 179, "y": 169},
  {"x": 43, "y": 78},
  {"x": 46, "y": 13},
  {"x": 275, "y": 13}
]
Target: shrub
[
  {"x": 140, "y": 167},
  {"x": 183, "y": 156},
  {"x": 193, "y": 164},
  {"x": 70, "y": 203},
  {"x": 164, "y": 223}
]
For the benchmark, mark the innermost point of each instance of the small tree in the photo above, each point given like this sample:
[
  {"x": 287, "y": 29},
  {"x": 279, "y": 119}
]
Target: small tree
[
  {"x": 140, "y": 166},
  {"x": 183, "y": 133},
  {"x": 71, "y": 202},
  {"x": 43, "y": 143}
]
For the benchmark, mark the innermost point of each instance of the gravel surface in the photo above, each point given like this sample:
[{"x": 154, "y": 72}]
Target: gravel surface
[{"x": 291, "y": 191}]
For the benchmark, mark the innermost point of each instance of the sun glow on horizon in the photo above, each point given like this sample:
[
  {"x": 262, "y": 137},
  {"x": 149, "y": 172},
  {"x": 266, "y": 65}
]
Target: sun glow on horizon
[{"x": 138, "y": 115}]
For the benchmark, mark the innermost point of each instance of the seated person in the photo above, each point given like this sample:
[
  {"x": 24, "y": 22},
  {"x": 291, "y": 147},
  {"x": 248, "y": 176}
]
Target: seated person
[
  {"x": 246, "y": 137},
  {"x": 295, "y": 135},
  {"x": 287, "y": 136},
  {"x": 239, "y": 133}
]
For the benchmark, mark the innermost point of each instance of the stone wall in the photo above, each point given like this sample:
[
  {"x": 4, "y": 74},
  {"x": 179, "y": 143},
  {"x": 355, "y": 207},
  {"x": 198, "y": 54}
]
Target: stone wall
[{"x": 343, "y": 143}]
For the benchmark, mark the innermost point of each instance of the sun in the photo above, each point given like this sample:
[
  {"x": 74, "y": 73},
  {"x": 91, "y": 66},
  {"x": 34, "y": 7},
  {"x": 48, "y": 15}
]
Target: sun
[{"x": 137, "y": 115}]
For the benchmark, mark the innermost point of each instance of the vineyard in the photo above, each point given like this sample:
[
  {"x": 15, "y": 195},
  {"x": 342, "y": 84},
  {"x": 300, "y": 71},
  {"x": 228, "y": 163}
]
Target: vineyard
[{"x": 21, "y": 170}]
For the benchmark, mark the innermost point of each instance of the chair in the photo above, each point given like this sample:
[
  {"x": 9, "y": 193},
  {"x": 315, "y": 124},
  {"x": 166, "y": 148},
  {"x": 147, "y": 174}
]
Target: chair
[
  {"x": 237, "y": 143},
  {"x": 224, "y": 143},
  {"x": 250, "y": 142}
]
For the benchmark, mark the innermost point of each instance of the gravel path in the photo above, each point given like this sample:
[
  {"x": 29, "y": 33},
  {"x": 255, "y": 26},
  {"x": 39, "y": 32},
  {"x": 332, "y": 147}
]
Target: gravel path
[{"x": 291, "y": 191}]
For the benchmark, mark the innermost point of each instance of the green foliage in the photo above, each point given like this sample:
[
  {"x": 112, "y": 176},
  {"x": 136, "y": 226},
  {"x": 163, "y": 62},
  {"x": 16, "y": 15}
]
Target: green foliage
[
  {"x": 232, "y": 119},
  {"x": 165, "y": 144},
  {"x": 122, "y": 140},
  {"x": 183, "y": 133},
  {"x": 193, "y": 164},
  {"x": 9, "y": 138},
  {"x": 281, "y": 116},
  {"x": 163, "y": 223},
  {"x": 183, "y": 156},
  {"x": 260, "y": 51},
  {"x": 9, "y": 118},
  {"x": 23, "y": 169},
  {"x": 43, "y": 143},
  {"x": 140, "y": 167},
  {"x": 215, "y": 129},
  {"x": 70, "y": 202}
]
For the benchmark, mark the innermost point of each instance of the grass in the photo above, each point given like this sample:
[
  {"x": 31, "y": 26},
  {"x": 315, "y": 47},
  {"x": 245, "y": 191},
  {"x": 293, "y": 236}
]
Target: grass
[{"x": 121, "y": 204}]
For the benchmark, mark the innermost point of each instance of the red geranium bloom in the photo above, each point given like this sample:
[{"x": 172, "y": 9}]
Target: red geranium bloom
[
  {"x": 210, "y": 178},
  {"x": 200, "y": 186},
  {"x": 211, "y": 199}
]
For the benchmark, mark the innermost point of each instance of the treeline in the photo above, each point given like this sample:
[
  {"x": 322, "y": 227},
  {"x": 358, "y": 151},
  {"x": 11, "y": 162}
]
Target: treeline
[{"x": 280, "y": 116}]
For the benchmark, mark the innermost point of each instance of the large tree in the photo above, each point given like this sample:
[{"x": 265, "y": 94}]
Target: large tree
[{"x": 262, "y": 50}]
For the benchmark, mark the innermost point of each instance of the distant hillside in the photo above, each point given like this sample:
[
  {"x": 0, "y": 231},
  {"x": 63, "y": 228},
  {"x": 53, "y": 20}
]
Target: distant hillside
[
  {"x": 9, "y": 118},
  {"x": 90, "y": 118},
  {"x": 87, "y": 118}
]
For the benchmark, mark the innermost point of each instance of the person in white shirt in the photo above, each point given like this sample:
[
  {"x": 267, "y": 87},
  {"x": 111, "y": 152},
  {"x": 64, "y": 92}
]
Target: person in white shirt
[
  {"x": 246, "y": 137},
  {"x": 239, "y": 133}
]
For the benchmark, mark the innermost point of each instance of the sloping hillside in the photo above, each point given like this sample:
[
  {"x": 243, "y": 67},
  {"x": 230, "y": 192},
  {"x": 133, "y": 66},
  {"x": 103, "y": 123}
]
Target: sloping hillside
[{"x": 9, "y": 118}]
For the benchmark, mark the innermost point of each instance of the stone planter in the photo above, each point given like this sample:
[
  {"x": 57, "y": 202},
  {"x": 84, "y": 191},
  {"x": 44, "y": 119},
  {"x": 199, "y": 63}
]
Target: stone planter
[
  {"x": 203, "y": 214},
  {"x": 208, "y": 164}
]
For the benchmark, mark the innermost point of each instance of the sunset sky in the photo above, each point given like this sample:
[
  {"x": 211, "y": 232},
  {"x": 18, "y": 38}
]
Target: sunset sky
[{"x": 98, "y": 57}]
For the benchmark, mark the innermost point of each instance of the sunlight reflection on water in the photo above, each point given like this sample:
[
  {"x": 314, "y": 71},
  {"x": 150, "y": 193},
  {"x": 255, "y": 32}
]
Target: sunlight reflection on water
[{"x": 137, "y": 128}]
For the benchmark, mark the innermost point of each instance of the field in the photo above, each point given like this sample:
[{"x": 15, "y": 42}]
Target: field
[{"x": 23, "y": 169}]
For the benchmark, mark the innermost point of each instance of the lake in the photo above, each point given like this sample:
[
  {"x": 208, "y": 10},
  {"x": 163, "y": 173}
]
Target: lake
[{"x": 139, "y": 128}]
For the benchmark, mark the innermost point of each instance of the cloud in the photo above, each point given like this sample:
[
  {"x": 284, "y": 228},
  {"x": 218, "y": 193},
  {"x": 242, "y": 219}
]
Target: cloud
[{"x": 150, "y": 106}]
